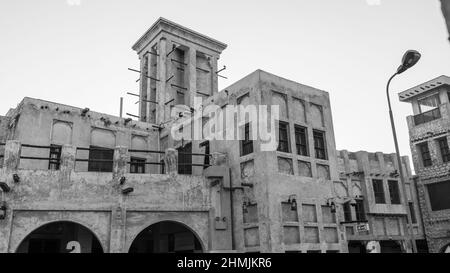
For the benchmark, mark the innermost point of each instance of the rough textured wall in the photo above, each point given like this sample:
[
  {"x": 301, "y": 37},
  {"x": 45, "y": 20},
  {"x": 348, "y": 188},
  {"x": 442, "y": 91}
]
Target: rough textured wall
[
  {"x": 436, "y": 223},
  {"x": 4, "y": 130},
  {"x": 89, "y": 199}
]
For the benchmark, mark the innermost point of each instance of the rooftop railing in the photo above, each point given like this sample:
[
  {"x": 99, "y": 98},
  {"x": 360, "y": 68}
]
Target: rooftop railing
[{"x": 427, "y": 116}]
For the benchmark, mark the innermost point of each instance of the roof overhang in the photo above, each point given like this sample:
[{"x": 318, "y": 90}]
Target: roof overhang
[
  {"x": 165, "y": 25},
  {"x": 407, "y": 95}
]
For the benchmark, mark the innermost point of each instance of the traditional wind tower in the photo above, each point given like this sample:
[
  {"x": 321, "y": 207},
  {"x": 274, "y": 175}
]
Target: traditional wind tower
[{"x": 177, "y": 64}]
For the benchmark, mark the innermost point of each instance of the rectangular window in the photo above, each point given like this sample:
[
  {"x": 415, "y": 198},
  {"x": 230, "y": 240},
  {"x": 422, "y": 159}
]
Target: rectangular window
[
  {"x": 247, "y": 143},
  {"x": 413, "y": 213},
  {"x": 429, "y": 103},
  {"x": 425, "y": 153},
  {"x": 207, "y": 152},
  {"x": 378, "y": 191},
  {"x": 359, "y": 210},
  {"x": 185, "y": 159},
  {"x": 439, "y": 195},
  {"x": 55, "y": 157},
  {"x": 347, "y": 212},
  {"x": 320, "y": 145},
  {"x": 394, "y": 192},
  {"x": 137, "y": 165},
  {"x": 283, "y": 142},
  {"x": 301, "y": 140},
  {"x": 100, "y": 159},
  {"x": 443, "y": 147}
]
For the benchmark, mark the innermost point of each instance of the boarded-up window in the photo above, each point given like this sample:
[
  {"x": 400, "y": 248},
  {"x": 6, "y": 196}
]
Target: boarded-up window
[
  {"x": 309, "y": 213},
  {"x": 285, "y": 166},
  {"x": 316, "y": 115},
  {"x": 289, "y": 214},
  {"x": 312, "y": 236},
  {"x": 61, "y": 133},
  {"x": 251, "y": 214},
  {"x": 103, "y": 138},
  {"x": 138, "y": 143},
  {"x": 299, "y": 110},
  {"x": 304, "y": 169},
  {"x": 328, "y": 216},
  {"x": 323, "y": 171},
  {"x": 439, "y": 194},
  {"x": 281, "y": 100}
]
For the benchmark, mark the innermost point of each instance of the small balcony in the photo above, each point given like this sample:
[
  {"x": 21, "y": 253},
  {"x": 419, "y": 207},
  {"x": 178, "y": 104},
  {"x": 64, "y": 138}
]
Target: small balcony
[{"x": 427, "y": 116}]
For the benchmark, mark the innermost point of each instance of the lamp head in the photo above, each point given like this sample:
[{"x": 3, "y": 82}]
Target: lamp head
[{"x": 410, "y": 58}]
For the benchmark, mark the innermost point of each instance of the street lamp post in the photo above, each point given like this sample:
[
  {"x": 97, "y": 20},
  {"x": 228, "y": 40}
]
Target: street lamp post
[{"x": 410, "y": 58}]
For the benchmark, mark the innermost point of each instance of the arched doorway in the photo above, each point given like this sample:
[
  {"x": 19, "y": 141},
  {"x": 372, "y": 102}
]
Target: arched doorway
[
  {"x": 61, "y": 237},
  {"x": 166, "y": 237}
]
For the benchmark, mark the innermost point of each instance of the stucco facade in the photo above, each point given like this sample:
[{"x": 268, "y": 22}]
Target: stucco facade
[
  {"x": 97, "y": 200},
  {"x": 385, "y": 210},
  {"x": 81, "y": 180}
]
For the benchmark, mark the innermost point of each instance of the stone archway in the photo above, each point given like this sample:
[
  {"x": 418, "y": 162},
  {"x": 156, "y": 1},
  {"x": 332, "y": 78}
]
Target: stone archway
[
  {"x": 61, "y": 237},
  {"x": 167, "y": 237}
]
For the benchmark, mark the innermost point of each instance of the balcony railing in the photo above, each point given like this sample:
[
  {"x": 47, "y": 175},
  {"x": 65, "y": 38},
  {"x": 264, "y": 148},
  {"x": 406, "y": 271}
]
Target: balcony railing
[
  {"x": 105, "y": 163},
  {"x": 427, "y": 116}
]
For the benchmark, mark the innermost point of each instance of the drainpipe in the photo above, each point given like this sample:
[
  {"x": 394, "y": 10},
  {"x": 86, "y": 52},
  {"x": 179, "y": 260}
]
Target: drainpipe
[{"x": 233, "y": 243}]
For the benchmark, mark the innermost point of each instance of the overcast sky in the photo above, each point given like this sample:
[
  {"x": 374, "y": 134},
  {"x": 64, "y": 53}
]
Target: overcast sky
[{"x": 77, "y": 52}]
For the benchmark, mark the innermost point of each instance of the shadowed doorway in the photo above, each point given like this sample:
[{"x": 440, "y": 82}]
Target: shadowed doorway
[
  {"x": 166, "y": 237},
  {"x": 61, "y": 237}
]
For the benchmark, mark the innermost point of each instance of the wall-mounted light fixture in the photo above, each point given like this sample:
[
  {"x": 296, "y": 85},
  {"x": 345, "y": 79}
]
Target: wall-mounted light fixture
[
  {"x": 332, "y": 204},
  {"x": 293, "y": 202},
  {"x": 245, "y": 205},
  {"x": 16, "y": 178},
  {"x": 122, "y": 180}
]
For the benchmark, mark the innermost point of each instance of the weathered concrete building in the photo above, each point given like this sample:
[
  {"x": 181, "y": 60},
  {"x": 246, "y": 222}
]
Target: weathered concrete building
[
  {"x": 429, "y": 129},
  {"x": 372, "y": 179},
  {"x": 82, "y": 181},
  {"x": 283, "y": 205},
  {"x": 79, "y": 176}
]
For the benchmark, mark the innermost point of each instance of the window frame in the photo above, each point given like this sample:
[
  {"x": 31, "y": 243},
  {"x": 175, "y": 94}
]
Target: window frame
[
  {"x": 412, "y": 211},
  {"x": 301, "y": 135},
  {"x": 378, "y": 191},
  {"x": 185, "y": 159},
  {"x": 320, "y": 140},
  {"x": 433, "y": 191},
  {"x": 137, "y": 162},
  {"x": 246, "y": 144},
  {"x": 55, "y": 154},
  {"x": 102, "y": 167},
  {"x": 347, "y": 208},
  {"x": 444, "y": 149},
  {"x": 360, "y": 211},
  {"x": 282, "y": 125},
  {"x": 437, "y": 95},
  {"x": 425, "y": 155},
  {"x": 394, "y": 192}
]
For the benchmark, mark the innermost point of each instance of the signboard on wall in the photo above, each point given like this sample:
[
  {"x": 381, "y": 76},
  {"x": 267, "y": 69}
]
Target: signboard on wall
[{"x": 362, "y": 227}]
